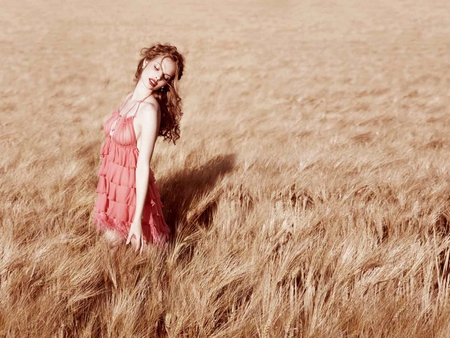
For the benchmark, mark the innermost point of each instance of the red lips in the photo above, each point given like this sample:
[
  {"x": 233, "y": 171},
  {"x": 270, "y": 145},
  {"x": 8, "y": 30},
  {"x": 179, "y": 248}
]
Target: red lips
[{"x": 152, "y": 82}]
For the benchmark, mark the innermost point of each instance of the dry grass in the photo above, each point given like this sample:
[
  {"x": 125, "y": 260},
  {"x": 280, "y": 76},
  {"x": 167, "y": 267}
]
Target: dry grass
[{"x": 309, "y": 193}]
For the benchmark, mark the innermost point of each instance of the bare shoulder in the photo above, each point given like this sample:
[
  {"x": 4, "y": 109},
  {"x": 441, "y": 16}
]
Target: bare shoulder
[
  {"x": 127, "y": 97},
  {"x": 148, "y": 111}
]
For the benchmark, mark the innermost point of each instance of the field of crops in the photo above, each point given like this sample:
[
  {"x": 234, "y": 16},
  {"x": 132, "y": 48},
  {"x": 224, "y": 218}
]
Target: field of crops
[{"x": 309, "y": 193}]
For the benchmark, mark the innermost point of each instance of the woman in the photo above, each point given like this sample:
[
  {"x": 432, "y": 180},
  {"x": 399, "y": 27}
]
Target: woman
[{"x": 128, "y": 204}]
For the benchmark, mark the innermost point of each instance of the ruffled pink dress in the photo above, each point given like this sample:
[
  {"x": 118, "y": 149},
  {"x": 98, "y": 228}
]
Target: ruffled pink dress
[{"x": 116, "y": 190}]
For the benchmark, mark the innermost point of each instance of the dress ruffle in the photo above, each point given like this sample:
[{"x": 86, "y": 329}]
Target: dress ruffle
[
  {"x": 120, "y": 154},
  {"x": 117, "y": 174}
]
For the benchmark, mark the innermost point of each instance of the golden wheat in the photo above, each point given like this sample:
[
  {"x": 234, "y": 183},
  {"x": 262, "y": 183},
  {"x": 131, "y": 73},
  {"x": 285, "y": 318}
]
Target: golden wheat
[{"x": 309, "y": 193}]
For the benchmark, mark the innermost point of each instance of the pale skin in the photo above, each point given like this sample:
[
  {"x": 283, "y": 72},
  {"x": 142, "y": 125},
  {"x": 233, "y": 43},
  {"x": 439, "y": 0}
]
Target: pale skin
[{"x": 156, "y": 74}]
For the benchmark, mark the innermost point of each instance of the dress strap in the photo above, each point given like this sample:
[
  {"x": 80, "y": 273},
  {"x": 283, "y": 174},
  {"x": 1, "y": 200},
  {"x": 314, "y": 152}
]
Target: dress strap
[
  {"x": 137, "y": 109},
  {"x": 125, "y": 102}
]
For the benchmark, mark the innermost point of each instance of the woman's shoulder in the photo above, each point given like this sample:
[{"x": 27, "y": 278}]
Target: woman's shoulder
[
  {"x": 150, "y": 104},
  {"x": 128, "y": 96},
  {"x": 148, "y": 109},
  {"x": 125, "y": 100}
]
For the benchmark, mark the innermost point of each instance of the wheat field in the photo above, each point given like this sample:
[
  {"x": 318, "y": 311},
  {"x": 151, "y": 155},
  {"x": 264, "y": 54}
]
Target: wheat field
[{"x": 309, "y": 193}]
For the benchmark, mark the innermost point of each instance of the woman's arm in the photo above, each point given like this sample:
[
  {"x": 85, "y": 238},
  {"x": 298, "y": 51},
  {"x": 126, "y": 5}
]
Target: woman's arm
[{"x": 148, "y": 120}]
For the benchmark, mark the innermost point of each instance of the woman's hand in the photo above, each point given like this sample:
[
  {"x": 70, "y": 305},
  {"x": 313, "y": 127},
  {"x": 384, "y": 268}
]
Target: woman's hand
[{"x": 136, "y": 231}]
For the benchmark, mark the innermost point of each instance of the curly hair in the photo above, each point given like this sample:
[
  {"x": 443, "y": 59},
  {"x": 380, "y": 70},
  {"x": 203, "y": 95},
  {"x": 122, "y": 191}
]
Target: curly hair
[{"x": 168, "y": 99}]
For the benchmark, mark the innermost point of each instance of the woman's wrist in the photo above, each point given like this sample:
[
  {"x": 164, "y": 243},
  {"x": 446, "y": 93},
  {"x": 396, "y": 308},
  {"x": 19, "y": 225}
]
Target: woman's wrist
[{"x": 137, "y": 221}]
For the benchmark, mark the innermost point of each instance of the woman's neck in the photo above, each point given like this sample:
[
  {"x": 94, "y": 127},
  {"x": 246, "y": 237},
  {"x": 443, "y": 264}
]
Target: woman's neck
[{"x": 140, "y": 92}]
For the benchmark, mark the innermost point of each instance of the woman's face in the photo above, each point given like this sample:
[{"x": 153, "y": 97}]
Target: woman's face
[{"x": 157, "y": 72}]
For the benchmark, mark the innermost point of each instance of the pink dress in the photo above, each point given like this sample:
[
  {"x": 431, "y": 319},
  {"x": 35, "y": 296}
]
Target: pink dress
[{"x": 116, "y": 199}]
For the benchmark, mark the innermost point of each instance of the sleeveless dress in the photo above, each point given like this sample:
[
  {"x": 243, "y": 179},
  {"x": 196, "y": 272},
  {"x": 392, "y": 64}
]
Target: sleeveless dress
[{"x": 116, "y": 190}]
